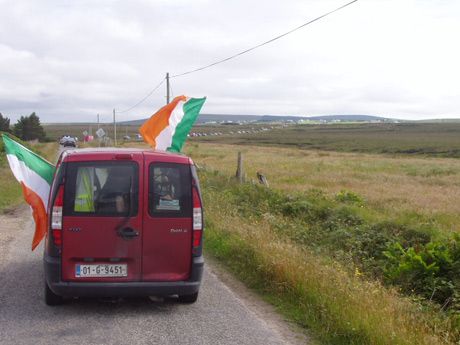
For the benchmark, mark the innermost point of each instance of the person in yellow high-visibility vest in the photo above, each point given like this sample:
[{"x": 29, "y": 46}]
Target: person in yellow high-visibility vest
[{"x": 84, "y": 200}]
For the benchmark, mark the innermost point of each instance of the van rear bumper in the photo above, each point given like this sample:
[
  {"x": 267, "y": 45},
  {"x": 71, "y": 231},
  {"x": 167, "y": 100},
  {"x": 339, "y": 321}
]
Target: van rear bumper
[{"x": 125, "y": 289}]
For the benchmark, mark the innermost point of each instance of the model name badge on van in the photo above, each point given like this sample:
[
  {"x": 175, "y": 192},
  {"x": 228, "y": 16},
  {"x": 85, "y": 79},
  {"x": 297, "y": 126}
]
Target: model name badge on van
[
  {"x": 75, "y": 229},
  {"x": 175, "y": 231}
]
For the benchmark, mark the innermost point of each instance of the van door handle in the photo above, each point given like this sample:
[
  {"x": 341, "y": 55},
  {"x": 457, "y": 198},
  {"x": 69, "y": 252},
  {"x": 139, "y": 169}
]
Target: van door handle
[{"x": 128, "y": 233}]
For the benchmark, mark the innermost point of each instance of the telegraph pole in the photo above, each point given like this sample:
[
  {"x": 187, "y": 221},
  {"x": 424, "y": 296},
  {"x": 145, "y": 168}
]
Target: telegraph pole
[
  {"x": 114, "y": 128},
  {"x": 167, "y": 88},
  {"x": 97, "y": 121}
]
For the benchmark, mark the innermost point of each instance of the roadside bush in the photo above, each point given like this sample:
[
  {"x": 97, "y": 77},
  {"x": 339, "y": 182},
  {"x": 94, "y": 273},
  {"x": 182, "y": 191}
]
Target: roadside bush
[
  {"x": 296, "y": 208},
  {"x": 431, "y": 270},
  {"x": 29, "y": 128}
]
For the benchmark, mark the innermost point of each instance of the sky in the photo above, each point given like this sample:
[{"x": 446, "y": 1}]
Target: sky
[{"x": 70, "y": 60}]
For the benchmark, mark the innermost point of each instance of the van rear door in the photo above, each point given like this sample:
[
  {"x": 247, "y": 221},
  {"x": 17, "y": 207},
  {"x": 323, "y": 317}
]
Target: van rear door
[
  {"x": 167, "y": 233},
  {"x": 102, "y": 220}
]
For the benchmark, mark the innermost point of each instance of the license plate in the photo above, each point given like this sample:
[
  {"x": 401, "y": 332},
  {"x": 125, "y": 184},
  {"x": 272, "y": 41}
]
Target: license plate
[{"x": 101, "y": 270}]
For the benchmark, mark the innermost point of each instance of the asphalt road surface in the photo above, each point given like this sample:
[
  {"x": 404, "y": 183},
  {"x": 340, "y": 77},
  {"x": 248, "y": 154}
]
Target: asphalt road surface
[{"x": 222, "y": 315}]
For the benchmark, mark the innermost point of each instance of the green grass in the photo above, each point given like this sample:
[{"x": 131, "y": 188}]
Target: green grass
[{"x": 10, "y": 189}]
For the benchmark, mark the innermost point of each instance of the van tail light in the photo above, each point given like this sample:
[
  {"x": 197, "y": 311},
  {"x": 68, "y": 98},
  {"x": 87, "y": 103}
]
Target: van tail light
[
  {"x": 56, "y": 217},
  {"x": 197, "y": 222}
]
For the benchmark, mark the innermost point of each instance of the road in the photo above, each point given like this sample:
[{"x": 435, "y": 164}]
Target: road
[{"x": 222, "y": 315}]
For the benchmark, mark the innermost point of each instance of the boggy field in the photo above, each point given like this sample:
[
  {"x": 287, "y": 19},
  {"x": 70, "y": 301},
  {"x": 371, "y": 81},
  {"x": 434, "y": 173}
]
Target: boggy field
[
  {"x": 407, "y": 188},
  {"x": 429, "y": 139},
  {"x": 359, "y": 248}
]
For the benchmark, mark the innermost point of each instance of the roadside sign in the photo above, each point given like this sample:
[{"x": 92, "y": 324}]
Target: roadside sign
[{"x": 100, "y": 133}]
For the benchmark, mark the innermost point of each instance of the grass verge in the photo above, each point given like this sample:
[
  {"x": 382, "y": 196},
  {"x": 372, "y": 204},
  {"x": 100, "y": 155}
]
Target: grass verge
[
  {"x": 313, "y": 290},
  {"x": 10, "y": 189}
]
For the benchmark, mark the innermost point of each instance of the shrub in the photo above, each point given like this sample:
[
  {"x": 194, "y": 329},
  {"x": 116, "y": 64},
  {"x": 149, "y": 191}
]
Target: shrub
[
  {"x": 431, "y": 270},
  {"x": 349, "y": 197},
  {"x": 29, "y": 128}
]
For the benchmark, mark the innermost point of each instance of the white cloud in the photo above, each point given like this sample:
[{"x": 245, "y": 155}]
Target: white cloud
[{"x": 70, "y": 60}]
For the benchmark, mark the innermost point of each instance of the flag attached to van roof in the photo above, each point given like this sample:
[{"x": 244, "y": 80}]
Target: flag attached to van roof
[
  {"x": 35, "y": 175},
  {"x": 168, "y": 128}
]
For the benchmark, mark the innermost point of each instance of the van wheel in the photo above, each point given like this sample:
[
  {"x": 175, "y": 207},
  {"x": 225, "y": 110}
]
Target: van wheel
[
  {"x": 188, "y": 298},
  {"x": 51, "y": 298}
]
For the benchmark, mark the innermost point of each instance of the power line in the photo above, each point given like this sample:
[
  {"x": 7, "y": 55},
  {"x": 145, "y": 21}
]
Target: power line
[
  {"x": 263, "y": 43},
  {"x": 236, "y": 55},
  {"x": 143, "y": 99}
]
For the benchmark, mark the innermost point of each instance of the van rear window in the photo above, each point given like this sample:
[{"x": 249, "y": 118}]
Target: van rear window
[
  {"x": 102, "y": 189},
  {"x": 170, "y": 190}
]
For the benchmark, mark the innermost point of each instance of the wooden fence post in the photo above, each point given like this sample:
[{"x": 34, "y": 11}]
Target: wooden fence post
[
  {"x": 262, "y": 179},
  {"x": 239, "y": 169}
]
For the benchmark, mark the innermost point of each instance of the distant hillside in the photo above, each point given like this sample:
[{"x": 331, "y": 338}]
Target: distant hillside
[
  {"x": 204, "y": 118},
  {"x": 439, "y": 121},
  {"x": 227, "y": 117},
  {"x": 365, "y": 118},
  {"x": 274, "y": 118}
]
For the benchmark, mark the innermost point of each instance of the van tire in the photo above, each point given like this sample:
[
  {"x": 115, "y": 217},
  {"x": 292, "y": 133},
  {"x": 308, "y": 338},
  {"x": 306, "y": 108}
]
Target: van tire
[
  {"x": 51, "y": 298},
  {"x": 188, "y": 299}
]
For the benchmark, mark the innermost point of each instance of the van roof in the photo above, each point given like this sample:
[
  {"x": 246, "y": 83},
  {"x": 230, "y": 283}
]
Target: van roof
[{"x": 104, "y": 153}]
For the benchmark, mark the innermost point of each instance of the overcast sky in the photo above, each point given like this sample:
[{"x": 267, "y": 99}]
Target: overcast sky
[{"x": 69, "y": 60}]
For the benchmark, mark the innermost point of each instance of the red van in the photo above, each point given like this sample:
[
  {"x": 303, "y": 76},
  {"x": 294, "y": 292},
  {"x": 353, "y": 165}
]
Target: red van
[{"x": 124, "y": 222}]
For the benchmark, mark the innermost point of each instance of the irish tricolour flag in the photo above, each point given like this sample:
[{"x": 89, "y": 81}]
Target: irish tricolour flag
[
  {"x": 35, "y": 175},
  {"x": 167, "y": 129}
]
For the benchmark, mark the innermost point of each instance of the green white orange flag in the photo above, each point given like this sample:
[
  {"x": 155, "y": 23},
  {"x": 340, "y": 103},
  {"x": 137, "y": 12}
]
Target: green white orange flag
[
  {"x": 167, "y": 129},
  {"x": 35, "y": 175}
]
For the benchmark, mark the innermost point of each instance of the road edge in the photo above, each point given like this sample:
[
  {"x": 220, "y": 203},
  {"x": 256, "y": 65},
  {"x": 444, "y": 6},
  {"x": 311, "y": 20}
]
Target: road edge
[{"x": 289, "y": 331}]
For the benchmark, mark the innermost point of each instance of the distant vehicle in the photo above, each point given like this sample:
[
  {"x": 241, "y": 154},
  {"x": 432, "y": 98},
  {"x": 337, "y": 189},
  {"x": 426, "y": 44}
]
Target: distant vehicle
[
  {"x": 124, "y": 223},
  {"x": 126, "y": 137},
  {"x": 70, "y": 143},
  {"x": 64, "y": 138}
]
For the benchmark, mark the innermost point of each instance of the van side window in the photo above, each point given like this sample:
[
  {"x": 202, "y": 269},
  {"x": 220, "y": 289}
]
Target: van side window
[
  {"x": 170, "y": 190},
  {"x": 102, "y": 189}
]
